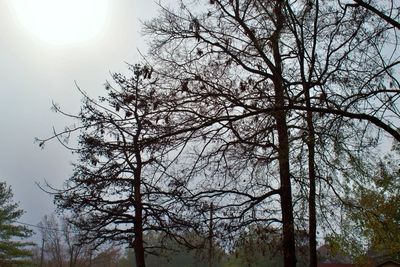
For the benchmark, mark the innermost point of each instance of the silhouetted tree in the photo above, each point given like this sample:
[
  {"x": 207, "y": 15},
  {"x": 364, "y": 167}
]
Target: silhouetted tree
[
  {"x": 257, "y": 72},
  {"x": 116, "y": 193},
  {"x": 244, "y": 90}
]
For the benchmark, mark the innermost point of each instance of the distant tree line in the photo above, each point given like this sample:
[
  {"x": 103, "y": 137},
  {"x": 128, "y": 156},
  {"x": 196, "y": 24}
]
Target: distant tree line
[{"x": 372, "y": 217}]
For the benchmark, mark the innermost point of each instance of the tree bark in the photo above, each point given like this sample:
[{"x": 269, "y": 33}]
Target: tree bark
[
  {"x": 312, "y": 177},
  {"x": 138, "y": 243},
  {"x": 210, "y": 237},
  {"x": 138, "y": 225},
  {"x": 289, "y": 249},
  {"x": 137, "y": 181}
]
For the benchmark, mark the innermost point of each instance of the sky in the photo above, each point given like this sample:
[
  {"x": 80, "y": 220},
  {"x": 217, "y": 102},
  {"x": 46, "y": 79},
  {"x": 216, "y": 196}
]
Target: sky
[{"x": 37, "y": 68}]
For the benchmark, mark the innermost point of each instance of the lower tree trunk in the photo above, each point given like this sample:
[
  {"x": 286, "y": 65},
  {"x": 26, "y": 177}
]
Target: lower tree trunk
[
  {"x": 289, "y": 243},
  {"x": 138, "y": 231},
  {"x": 139, "y": 252},
  {"x": 312, "y": 177},
  {"x": 289, "y": 248},
  {"x": 137, "y": 182},
  {"x": 138, "y": 225}
]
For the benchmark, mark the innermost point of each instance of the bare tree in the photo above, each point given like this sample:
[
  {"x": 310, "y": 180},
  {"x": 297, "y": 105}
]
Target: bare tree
[
  {"x": 244, "y": 90},
  {"x": 239, "y": 61},
  {"x": 116, "y": 193},
  {"x": 61, "y": 245},
  {"x": 53, "y": 243}
]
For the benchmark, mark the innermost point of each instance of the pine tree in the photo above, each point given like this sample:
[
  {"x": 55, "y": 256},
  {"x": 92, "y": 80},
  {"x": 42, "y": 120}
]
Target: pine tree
[{"x": 13, "y": 251}]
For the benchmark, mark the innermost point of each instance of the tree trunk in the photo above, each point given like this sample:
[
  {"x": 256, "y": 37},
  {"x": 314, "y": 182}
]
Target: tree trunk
[
  {"x": 312, "y": 177},
  {"x": 289, "y": 248},
  {"x": 210, "y": 237},
  {"x": 138, "y": 226}
]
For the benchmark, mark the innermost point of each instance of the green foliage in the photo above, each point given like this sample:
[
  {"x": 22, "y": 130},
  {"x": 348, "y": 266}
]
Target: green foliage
[
  {"x": 372, "y": 224},
  {"x": 13, "y": 252}
]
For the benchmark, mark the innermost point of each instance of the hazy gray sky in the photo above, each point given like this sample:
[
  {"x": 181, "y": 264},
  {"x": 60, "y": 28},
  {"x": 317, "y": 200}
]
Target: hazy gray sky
[{"x": 33, "y": 73}]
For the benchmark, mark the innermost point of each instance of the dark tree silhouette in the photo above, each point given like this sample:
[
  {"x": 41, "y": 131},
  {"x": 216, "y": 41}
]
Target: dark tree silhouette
[
  {"x": 256, "y": 107},
  {"x": 116, "y": 193},
  {"x": 257, "y": 71},
  {"x": 389, "y": 12}
]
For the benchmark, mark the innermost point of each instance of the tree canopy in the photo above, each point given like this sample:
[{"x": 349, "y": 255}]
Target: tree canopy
[
  {"x": 116, "y": 191},
  {"x": 270, "y": 82},
  {"x": 244, "y": 112}
]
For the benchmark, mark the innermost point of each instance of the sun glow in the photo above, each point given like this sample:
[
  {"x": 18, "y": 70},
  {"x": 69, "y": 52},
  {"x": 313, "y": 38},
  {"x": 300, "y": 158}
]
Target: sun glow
[{"x": 62, "y": 22}]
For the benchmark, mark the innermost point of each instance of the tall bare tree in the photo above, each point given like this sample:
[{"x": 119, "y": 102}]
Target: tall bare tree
[
  {"x": 115, "y": 192},
  {"x": 281, "y": 60},
  {"x": 244, "y": 89}
]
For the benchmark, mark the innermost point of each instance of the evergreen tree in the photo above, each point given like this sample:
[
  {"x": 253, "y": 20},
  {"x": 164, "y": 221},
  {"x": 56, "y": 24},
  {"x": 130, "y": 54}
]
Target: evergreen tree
[{"x": 13, "y": 251}]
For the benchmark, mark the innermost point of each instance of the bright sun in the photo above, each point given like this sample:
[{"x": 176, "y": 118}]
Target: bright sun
[{"x": 62, "y": 22}]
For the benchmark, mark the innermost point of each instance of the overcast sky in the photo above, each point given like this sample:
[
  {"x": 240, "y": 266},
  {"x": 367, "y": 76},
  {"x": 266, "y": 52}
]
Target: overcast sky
[{"x": 34, "y": 73}]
